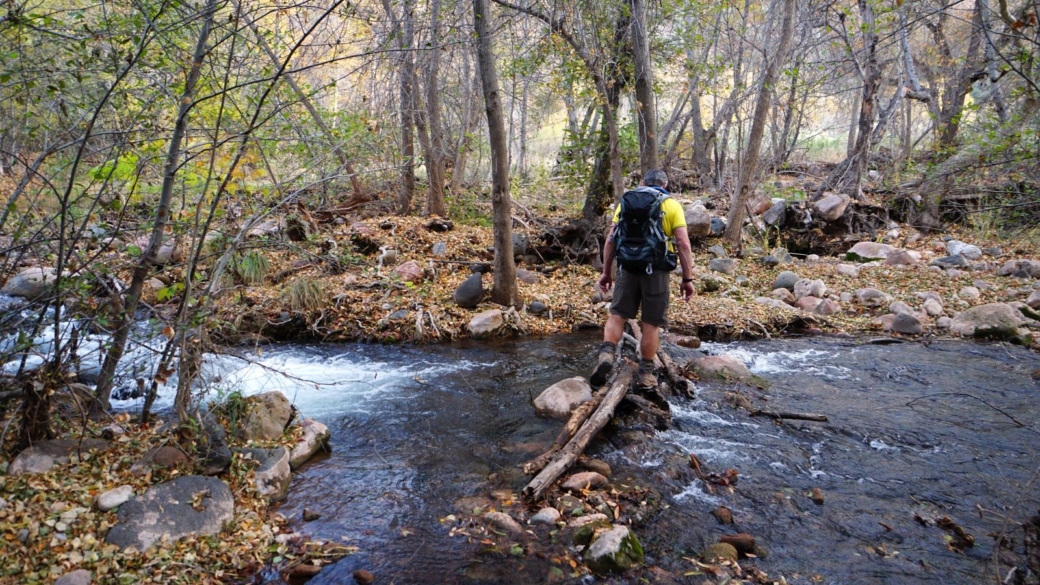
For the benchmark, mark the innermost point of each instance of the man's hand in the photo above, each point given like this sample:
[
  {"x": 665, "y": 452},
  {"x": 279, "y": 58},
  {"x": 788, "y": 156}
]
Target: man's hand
[
  {"x": 686, "y": 289},
  {"x": 606, "y": 282}
]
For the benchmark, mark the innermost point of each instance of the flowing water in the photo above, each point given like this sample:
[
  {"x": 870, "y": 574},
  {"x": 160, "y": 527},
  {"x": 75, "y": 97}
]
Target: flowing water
[{"x": 914, "y": 433}]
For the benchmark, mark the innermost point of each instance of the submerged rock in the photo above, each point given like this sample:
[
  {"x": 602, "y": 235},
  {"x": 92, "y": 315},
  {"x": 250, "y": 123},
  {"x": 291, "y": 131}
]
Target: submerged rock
[{"x": 725, "y": 367}]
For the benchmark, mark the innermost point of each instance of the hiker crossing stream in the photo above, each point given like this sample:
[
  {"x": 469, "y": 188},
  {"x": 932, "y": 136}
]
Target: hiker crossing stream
[{"x": 915, "y": 434}]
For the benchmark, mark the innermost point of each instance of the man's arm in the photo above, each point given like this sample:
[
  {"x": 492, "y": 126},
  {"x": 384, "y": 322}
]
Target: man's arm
[
  {"x": 607, "y": 279},
  {"x": 682, "y": 243}
]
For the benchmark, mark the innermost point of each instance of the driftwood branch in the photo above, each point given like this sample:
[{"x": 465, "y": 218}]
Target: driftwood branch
[
  {"x": 570, "y": 453},
  {"x": 676, "y": 379},
  {"x": 578, "y": 418},
  {"x": 789, "y": 415},
  {"x": 649, "y": 408}
]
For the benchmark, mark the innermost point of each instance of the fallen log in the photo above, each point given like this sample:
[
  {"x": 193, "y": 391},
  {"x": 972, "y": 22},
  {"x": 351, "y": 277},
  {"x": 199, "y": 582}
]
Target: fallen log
[
  {"x": 676, "y": 380},
  {"x": 578, "y": 418},
  {"x": 790, "y": 415},
  {"x": 663, "y": 417},
  {"x": 566, "y": 456}
]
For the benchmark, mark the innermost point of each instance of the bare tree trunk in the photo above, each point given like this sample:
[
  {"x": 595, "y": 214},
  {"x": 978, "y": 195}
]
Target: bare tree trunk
[
  {"x": 435, "y": 157},
  {"x": 960, "y": 85},
  {"x": 702, "y": 144},
  {"x": 850, "y": 145},
  {"x": 466, "y": 136},
  {"x": 646, "y": 109},
  {"x": 404, "y": 30},
  {"x": 735, "y": 220},
  {"x": 162, "y": 216},
  {"x": 504, "y": 290}
]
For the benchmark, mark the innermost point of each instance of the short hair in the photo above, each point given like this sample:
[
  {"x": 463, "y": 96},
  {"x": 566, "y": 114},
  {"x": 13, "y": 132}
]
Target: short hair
[{"x": 655, "y": 177}]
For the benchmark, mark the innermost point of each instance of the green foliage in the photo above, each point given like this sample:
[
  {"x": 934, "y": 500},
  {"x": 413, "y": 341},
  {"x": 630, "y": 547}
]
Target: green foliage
[
  {"x": 471, "y": 208},
  {"x": 252, "y": 267}
]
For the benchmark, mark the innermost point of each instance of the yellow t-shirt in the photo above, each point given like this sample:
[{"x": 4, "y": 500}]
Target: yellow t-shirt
[{"x": 672, "y": 217}]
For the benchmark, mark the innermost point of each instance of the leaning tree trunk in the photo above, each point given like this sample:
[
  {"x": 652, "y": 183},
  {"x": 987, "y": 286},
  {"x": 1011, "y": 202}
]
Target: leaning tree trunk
[
  {"x": 404, "y": 31},
  {"x": 162, "y": 216},
  {"x": 504, "y": 291},
  {"x": 646, "y": 110},
  {"x": 735, "y": 220},
  {"x": 435, "y": 154}
]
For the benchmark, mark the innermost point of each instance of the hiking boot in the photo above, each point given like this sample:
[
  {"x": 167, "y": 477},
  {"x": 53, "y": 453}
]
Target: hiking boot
[
  {"x": 604, "y": 364},
  {"x": 646, "y": 378}
]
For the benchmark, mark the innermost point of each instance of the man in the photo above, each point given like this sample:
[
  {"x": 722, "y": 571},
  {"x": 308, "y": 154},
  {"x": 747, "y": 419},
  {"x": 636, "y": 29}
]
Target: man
[{"x": 643, "y": 288}]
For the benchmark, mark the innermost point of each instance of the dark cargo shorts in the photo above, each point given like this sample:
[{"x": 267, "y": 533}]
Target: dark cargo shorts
[{"x": 639, "y": 288}]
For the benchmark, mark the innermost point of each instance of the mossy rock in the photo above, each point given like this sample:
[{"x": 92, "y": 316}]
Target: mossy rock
[
  {"x": 719, "y": 552},
  {"x": 614, "y": 551}
]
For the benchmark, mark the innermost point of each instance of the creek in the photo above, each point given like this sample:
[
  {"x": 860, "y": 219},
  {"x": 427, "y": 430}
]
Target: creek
[{"x": 417, "y": 431}]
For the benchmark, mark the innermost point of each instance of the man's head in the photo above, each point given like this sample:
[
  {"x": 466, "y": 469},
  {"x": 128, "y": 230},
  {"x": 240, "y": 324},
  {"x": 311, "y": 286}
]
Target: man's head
[{"x": 655, "y": 177}]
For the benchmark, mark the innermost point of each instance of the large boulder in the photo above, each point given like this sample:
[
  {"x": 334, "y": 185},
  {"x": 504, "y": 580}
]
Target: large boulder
[
  {"x": 723, "y": 265},
  {"x": 1033, "y": 301},
  {"x": 273, "y": 474},
  {"x": 584, "y": 480},
  {"x": 470, "y": 292},
  {"x": 832, "y": 206},
  {"x": 992, "y": 321},
  {"x": 267, "y": 416},
  {"x": 786, "y": 279},
  {"x": 867, "y": 251},
  {"x": 212, "y": 449},
  {"x": 725, "y": 367},
  {"x": 614, "y": 551},
  {"x": 900, "y": 257},
  {"x": 44, "y": 455},
  {"x": 188, "y": 505},
  {"x": 698, "y": 221},
  {"x": 31, "y": 283},
  {"x": 959, "y": 248},
  {"x": 562, "y": 397},
  {"x": 315, "y": 438},
  {"x": 486, "y": 322}
]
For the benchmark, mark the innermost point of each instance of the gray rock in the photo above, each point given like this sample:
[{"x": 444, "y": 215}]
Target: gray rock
[
  {"x": 614, "y": 551},
  {"x": 77, "y": 577},
  {"x": 808, "y": 303},
  {"x": 698, "y": 221},
  {"x": 872, "y": 297},
  {"x": 527, "y": 276},
  {"x": 907, "y": 324},
  {"x": 267, "y": 416},
  {"x": 770, "y": 260},
  {"x": 470, "y": 292},
  {"x": 1020, "y": 269},
  {"x": 213, "y": 450},
  {"x": 718, "y": 251},
  {"x": 315, "y": 438},
  {"x": 776, "y": 215},
  {"x": 504, "y": 522},
  {"x": 805, "y": 287},
  {"x": 537, "y": 308},
  {"x": 944, "y": 322},
  {"x": 994, "y": 251},
  {"x": 846, "y": 297},
  {"x": 785, "y": 279},
  {"x": 44, "y": 455},
  {"x": 969, "y": 293},
  {"x": 562, "y": 397},
  {"x": 847, "y": 270},
  {"x": 398, "y": 315},
  {"x": 831, "y": 207},
  {"x": 723, "y": 265},
  {"x": 520, "y": 243},
  {"x": 867, "y": 251},
  {"x": 191, "y": 504},
  {"x": 967, "y": 251},
  {"x": 899, "y": 307},
  {"x": 782, "y": 255},
  {"x": 717, "y": 226},
  {"x": 31, "y": 283},
  {"x": 933, "y": 307},
  {"x": 992, "y": 321},
  {"x": 725, "y": 366},
  {"x": 584, "y": 480},
  {"x": 486, "y": 322},
  {"x": 548, "y": 515},
  {"x": 586, "y": 520},
  {"x": 1034, "y": 300},
  {"x": 900, "y": 258},
  {"x": 949, "y": 262},
  {"x": 440, "y": 249},
  {"x": 114, "y": 498},
  {"x": 273, "y": 473},
  {"x": 827, "y": 307},
  {"x": 711, "y": 283}
]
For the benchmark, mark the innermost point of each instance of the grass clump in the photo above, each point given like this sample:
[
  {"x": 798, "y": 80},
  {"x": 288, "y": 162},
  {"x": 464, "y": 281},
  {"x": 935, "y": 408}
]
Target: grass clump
[
  {"x": 252, "y": 267},
  {"x": 304, "y": 294}
]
